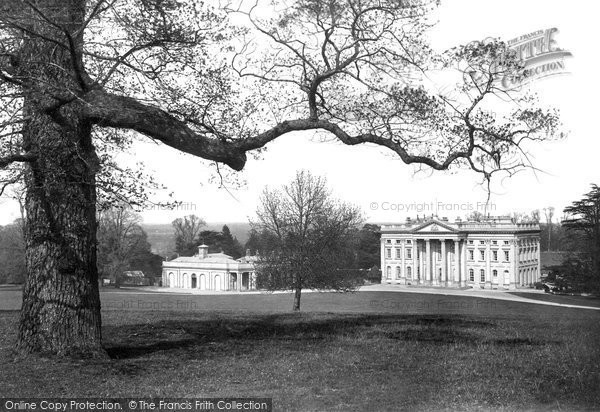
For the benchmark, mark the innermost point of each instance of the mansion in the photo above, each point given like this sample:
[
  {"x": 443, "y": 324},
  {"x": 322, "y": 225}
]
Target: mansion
[
  {"x": 495, "y": 252},
  {"x": 210, "y": 271}
]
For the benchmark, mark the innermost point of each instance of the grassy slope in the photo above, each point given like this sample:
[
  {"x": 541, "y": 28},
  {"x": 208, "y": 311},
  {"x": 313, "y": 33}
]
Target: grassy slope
[{"x": 365, "y": 351}]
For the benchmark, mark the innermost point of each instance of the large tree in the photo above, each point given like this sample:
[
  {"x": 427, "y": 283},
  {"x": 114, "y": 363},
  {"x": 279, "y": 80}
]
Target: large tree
[
  {"x": 12, "y": 253},
  {"x": 187, "y": 230},
  {"x": 78, "y": 78},
  {"x": 313, "y": 236},
  {"x": 222, "y": 241},
  {"x": 123, "y": 244},
  {"x": 582, "y": 224}
]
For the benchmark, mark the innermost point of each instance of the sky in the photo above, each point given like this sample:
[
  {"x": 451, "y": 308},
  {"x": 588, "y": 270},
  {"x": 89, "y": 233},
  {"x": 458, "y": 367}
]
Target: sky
[{"x": 385, "y": 188}]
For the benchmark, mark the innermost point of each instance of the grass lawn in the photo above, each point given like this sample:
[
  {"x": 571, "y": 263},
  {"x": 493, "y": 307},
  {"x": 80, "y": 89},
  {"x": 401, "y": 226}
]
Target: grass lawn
[
  {"x": 368, "y": 351},
  {"x": 562, "y": 299}
]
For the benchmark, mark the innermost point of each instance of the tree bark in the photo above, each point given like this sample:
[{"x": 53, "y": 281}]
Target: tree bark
[
  {"x": 61, "y": 303},
  {"x": 297, "y": 295}
]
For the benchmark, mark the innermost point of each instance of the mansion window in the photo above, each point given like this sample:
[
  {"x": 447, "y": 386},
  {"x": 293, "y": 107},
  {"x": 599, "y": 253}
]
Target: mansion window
[
  {"x": 482, "y": 275},
  {"x": 482, "y": 255},
  {"x": 388, "y": 253},
  {"x": 409, "y": 272},
  {"x": 409, "y": 253},
  {"x": 471, "y": 275},
  {"x": 495, "y": 255},
  {"x": 494, "y": 242},
  {"x": 506, "y": 256},
  {"x": 398, "y": 253},
  {"x": 398, "y": 241},
  {"x": 482, "y": 242},
  {"x": 471, "y": 254},
  {"x": 388, "y": 241},
  {"x": 470, "y": 242},
  {"x": 495, "y": 273},
  {"x": 409, "y": 241},
  {"x": 397, "y": 272},
  {"x": 506, "y": 242},
  {"x": 388, "y": 272}
]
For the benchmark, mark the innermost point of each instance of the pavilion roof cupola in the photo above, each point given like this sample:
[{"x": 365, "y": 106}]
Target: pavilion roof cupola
[{"x": 202, "y": 251}]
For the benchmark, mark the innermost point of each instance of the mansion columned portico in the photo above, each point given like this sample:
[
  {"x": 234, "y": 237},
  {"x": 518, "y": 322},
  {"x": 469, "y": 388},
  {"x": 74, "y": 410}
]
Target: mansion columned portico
[{"x": 495, "y": 252}]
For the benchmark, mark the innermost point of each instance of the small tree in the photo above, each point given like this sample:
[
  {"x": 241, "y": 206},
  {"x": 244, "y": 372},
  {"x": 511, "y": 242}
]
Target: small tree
[
  {"x": 549, "y": 213},
  {"x": 312, "y": 238}
]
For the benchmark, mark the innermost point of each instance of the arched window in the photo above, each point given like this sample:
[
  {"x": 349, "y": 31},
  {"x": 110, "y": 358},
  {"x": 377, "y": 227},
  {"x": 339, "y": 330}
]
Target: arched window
[
  {"x": 388, "y": 272},
  {"x": 409, "y": 272},
  {"x": 471, "y": 275},
  {"x": 397, "y": 272},
  {"x": 495, "y": 273},
  {"x": 482, "y": 275}
]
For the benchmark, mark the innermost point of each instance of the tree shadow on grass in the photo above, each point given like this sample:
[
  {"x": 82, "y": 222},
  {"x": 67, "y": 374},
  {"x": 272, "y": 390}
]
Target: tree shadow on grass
[{"x": 176, "y": 337}]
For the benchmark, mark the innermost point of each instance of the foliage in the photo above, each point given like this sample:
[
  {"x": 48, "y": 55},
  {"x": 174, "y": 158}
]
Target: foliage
[
  {"x": 123, "y": 245},
  {"x": 582, "y": 224},
  {"x": 221, "y": 242},
  {"x": 368, "y": 253},
  {"x": 12, "y": 253},
  {"x": 187, "y": 230}
]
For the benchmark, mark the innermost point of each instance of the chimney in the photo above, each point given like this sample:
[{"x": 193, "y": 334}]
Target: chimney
[{"x": 202, "y": 251}]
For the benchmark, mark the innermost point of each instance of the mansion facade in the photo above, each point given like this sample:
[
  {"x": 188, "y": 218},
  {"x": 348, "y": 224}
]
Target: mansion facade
[
  {"x": 210, "y": 272},
  {"x": 495, "y": 252}
]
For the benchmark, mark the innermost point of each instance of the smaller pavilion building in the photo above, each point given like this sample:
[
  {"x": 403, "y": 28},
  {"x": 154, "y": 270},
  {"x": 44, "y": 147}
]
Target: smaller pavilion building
[{"x": 210, "y": 272}]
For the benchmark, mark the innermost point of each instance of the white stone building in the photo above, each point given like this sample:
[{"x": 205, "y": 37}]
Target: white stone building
[
  {"x": 493, "y": 253},
  {"x": 210, "y": 271}
]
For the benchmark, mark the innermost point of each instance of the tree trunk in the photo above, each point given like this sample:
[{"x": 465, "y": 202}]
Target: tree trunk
[
  {"x": 297, "y": 294},
  {"x": 61, "y": 303}
]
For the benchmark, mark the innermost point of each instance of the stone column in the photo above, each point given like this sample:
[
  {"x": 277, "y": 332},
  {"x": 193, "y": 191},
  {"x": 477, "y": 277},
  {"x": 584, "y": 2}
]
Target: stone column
[
  {"x": 457, "y": 262},
  {"x": 515, "y": 262},
  {"x": 414, "y": 259},
  {"x": 423, "y": 263},
  {"x": 402, "y": 279},
  {"x": 382, "y": 260},
  {"x": 465, "y": 271},
  {"x": 239, "y": 282},
  {"x": 420, "y": 262},
  {"x": 428, "y": 261},
  {"x": 488, "y": 264},
  {"x": 444, "y": 261},
  {"x": 511, "y": 266}
]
